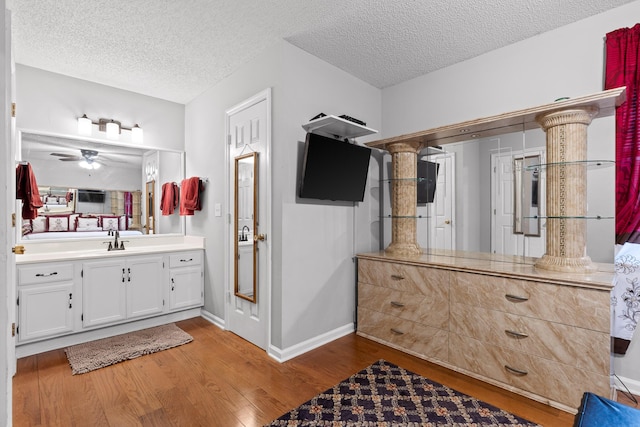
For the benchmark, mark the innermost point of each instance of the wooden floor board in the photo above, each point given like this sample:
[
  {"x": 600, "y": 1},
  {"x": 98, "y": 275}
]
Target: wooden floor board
[{"x": 219, "y": 380}]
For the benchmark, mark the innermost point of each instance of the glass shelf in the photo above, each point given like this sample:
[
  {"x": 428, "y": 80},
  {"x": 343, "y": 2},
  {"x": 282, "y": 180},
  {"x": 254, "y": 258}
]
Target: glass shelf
[{"x": 590, "y": 164}]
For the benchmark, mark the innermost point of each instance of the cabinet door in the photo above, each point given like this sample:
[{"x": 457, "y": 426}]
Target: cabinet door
[
  {"x": 104, "y": 292},
  {"x": 144, "y": 282},
  {"x": 186, "y": 288},
  {"x": 45, "y": 310}
]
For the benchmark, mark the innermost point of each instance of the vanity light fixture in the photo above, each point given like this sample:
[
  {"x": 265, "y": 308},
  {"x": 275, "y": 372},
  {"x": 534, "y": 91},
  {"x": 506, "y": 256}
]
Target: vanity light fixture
[{"x": 113, "y": 128}]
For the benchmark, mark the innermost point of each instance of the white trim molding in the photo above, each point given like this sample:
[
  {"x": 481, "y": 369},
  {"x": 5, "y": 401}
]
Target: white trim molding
[{"x": 282, "y": 355}]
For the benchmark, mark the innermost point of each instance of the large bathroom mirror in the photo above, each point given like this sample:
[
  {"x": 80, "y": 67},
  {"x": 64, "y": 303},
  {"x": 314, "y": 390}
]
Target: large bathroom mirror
[
  {"x": 89, "y": 187},
  {"x": 245, "y": 224}
]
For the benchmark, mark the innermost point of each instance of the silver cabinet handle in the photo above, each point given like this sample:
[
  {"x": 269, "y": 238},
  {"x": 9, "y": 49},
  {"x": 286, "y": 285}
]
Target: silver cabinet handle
[
  {"x": 396, "y": 331},
  {"x": 46, "y": 274},
  {"x": 515, "y": 371},
  {"x": 516, "y": 298},
  {"x": 516, "y": 334},
  {"x": 397, "y": 304},
  {"x": 397, "y": 277}
]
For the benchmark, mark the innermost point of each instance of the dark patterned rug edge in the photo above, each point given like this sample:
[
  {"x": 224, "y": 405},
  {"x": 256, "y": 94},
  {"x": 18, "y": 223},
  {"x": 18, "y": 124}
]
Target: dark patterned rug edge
[{"x": 386, "y": 395}]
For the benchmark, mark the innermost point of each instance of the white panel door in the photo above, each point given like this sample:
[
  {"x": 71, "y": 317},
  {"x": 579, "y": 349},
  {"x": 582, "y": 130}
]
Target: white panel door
[
  {"x": 249, "y": 130},
  {"x": 503, "y": 239},
  {"x": 45, "y": 310}
]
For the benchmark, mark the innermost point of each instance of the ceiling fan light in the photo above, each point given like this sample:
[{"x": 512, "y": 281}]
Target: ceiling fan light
[
  {"x": 137, "y": 135},
  {"x": 84, "y": 125},
  {"x": 113, "y": 130}
]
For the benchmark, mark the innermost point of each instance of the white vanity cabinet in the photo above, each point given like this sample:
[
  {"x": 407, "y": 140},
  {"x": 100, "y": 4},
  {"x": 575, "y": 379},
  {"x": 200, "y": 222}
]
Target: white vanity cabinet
[
  {"x": 121, "y": 288},
  {"x": 186, "y": 277},
  {"x": 46, "y": 300}
]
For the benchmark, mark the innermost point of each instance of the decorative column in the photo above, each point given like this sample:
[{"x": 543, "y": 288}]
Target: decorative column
[
  {"x": 566, "y": 207},
  {"x": 136, "y": 210},
  {"x": 404, "y": 161}
]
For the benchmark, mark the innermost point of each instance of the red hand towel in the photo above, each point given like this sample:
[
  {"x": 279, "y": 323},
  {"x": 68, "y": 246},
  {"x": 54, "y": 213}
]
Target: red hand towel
[
  {"x": 190, "y": 196},
  {"x": 27, "y": 190}
]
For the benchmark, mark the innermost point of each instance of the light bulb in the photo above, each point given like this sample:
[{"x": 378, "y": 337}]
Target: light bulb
[
  {"x": 137, "y": 134},
  {"x": 84, "y": 125},
  {"x": 113, "y": 130}
]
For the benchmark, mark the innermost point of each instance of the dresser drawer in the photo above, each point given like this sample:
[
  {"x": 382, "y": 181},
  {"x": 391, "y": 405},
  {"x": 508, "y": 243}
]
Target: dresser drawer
[
  {"x": 184, "y": 259},
  {"x": 424, "y": 340},
  {"x": 582, "y": 348},
  {"x": 431, "y": 309},
  {"x": 407, "y": 278},
  {"x": 586, "y": 308},
  {"x": 44, "y": 273},
  {"x": 556, "y": 381}
]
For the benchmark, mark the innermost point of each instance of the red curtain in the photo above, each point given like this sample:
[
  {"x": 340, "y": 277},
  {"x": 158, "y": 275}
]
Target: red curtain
[{"x": 623, "y": 69}]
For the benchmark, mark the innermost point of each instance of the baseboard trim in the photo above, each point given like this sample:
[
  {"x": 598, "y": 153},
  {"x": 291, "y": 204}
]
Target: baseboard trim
[
  {"x": 28, "y": 349},
  {"x": 282, "y": 355},
  {"x": 632, "y": 385},
  {"x": 212, "y": 318}
]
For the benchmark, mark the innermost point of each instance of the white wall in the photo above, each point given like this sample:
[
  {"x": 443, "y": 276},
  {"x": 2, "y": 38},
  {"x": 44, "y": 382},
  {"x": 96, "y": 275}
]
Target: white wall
[
  {"x": 313, "y": 275},
  {"x": 564, "y": 62},
  {"x": 51, "y": 102}
]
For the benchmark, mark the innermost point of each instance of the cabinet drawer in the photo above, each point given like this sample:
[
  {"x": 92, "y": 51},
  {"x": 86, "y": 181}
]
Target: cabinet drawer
[
  {"x": 582, "y": 348},
  {"x": 431, "y": 309},
  {"x": 424, "y": 340},
  {"x": 556, "y": 381},
  {"x": 406, "y": 278},
  {"x": 43, "y": 273},
  {"x": 183, "y": 259},
  {"x": 585, "y": 308}
]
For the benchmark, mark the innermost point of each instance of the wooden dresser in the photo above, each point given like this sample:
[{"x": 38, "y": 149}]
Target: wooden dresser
[{"x": 499, "y": 319}]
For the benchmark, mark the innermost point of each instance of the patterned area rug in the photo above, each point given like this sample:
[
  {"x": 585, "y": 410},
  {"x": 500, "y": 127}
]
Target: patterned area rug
[
  {"x": 385, "y": 395},
  {"x": 108, "y": 351}
]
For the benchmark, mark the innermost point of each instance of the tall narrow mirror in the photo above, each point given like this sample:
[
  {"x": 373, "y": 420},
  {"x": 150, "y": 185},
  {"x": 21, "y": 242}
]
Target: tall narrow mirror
[
  {"x": 150, "y": 206},
  {"x": 245, "y": 223}
]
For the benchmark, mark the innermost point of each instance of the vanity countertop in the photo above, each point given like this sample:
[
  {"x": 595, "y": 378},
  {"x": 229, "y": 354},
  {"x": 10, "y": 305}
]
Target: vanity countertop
[{"x": 97, "y": 250}]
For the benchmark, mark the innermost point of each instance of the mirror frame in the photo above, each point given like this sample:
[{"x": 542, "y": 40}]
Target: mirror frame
[
  {"x": 143, "y": 149},
  {"x": 254, "y": 297},
  {"x": 150, "y": 225},
  {"x": 526, "y": 197}
]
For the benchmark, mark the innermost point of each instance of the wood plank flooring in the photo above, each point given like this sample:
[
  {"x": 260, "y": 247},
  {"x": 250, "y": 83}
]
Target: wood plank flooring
[{"x": 218, "y": 380}]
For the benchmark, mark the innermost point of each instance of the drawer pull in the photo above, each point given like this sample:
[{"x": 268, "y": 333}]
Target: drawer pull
[
  {"x": 516, "y": 298},
  {"x": 47, "y": 274},
  {"x": 186, "y": 260},
  {"x": 397, "y": 304},
  {"x": 516, "y": 334},
  {"x": 397, "y": 277},
  {"x": 397, "y": 332},
  {"x": 515, "y": 371}
]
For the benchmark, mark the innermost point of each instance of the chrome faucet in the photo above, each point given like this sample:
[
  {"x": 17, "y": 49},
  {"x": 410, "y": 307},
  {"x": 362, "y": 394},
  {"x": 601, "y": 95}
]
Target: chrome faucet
[{"x": 115, "y": 246}]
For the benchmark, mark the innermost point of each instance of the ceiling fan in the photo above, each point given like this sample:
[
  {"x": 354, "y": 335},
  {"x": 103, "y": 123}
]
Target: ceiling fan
[{"x": 87, "y": 159}]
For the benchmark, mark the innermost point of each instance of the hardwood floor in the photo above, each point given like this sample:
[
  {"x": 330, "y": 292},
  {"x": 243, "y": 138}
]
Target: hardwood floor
[{"x": 218, "y": 380}]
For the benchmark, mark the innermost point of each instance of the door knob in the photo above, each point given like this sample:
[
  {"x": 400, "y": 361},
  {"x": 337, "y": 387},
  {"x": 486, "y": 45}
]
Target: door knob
[
  {"x": 257, "y": 237},
  {"x": 446, "y": 221}
]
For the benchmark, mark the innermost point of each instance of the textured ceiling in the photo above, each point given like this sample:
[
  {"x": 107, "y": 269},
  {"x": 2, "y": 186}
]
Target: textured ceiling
[{"x": 177, "y": 49}]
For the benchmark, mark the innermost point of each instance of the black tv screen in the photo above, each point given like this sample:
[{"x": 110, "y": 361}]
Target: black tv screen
[
  {"x": 333, "y": 169},
  {"x": 427, "y": 179},
  {"x": 91, "y": 196}
]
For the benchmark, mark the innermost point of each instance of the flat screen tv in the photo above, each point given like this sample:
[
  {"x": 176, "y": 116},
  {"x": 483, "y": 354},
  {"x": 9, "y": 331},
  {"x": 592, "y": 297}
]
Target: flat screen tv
[
  {"x": 333, "y": 169},
  {"x": 91, "y": 196},
  {"x": 427, "y": 179}
]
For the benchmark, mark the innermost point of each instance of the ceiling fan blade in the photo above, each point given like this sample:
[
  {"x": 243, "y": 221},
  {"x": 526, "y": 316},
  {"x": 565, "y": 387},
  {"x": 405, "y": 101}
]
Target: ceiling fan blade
[{"x": 63, "y": 155}]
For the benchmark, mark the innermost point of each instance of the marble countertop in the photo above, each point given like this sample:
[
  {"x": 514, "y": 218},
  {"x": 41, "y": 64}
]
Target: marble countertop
[{"x": 505, "y": 266}]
